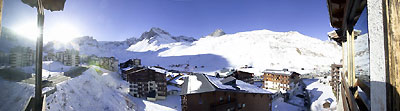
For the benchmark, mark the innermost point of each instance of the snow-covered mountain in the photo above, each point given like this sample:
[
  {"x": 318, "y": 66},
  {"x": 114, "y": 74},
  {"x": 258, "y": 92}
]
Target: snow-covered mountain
[
  {"x": 217, "y": 33},
  {"x": 260, "y": 48},
  {"x": 362, "y": 54},
  {"x": 156, "y": 39}
]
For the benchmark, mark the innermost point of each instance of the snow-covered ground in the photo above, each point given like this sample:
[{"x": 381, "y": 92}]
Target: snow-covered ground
[
  {"x": 92, "y": 91},
  {"x": 14, "y": 95},
  {"x": 319, "y": 94},
  {"x": 55, "y": 66}
]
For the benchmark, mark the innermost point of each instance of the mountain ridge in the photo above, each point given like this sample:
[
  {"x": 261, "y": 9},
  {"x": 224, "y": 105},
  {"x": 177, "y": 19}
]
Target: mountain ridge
[{"x": 258, "y": 48}]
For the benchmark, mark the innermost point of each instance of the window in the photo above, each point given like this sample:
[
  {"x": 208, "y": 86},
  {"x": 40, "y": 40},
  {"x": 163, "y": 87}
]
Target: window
[
  {"x": 200, "y": 101},
  {"x": 221, "y": 99},
  {"x": 229, "y": 98},
  {"x": 243, "y": 105}
]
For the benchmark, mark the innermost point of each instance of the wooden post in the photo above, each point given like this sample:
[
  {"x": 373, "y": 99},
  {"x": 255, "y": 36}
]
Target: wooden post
[
  {"x": 39, "y": 54},
  {"x": 391, "y": 27},
  {"x": 350, "y": 58}
]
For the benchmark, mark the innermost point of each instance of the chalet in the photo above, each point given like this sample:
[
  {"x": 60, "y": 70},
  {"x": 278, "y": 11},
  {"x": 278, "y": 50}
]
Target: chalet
[
  {"x": 201, "y": 92},
  {"x": 279, "y": 79},
  {"x": 147, "y": 82},
  {"x": 242, "y": 75},
  {"x": 130, "y": 64},
  {"x": 21, "y": 57}
]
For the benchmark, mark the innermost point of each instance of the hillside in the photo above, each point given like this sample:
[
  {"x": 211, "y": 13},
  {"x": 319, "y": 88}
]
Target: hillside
[{"x": 260, "y": 48}]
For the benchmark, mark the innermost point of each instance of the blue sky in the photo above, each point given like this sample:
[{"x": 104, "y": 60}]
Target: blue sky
[{"x": 115, "y": 20}]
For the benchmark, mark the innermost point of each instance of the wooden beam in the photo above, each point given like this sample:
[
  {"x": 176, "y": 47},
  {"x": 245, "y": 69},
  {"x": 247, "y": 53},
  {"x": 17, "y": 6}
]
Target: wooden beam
[{"x": 392, "y": 35}]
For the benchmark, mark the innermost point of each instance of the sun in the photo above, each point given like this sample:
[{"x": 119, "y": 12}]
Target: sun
[
  {"x": 28, "y": 30},
  {"x": 62, "y": 33}
]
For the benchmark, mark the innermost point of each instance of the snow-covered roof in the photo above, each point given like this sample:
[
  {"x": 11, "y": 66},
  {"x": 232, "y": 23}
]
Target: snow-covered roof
[
  {"x": 171, "y": 88},
  {"x": 177, "y": 80},
  {"x": 127, "y": 68},
  {"x": 249, "y": 70},
  {"x": 279, "y": 72},
  {"x": 199, "y": 83},
  {"x": 241, "y": 86},
  {"x": 163, "y": 71}
]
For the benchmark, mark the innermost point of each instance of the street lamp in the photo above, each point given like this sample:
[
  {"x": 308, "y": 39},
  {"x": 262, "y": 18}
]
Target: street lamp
[{"x": 52, "y": 5}]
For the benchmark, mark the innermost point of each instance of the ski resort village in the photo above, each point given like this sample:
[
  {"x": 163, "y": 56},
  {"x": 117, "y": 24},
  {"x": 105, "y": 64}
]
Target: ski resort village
[{"x": 333, "y": 55}]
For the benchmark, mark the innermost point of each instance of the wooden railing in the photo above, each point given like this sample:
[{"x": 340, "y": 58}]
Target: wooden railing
[
  {"x": 352, "y": 100},
  {"x": 29, "y": 106}
]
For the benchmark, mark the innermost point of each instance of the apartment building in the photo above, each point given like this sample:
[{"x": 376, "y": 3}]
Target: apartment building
[
  {"x": 146, "y": 82},
  {"x": 279, "y": 79},
  {"x": 21, "y": 57}
]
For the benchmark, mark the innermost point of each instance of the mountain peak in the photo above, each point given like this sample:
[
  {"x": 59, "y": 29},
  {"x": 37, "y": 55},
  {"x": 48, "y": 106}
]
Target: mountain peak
[
  {"x": 217, "y": 33},
  {"x": 153, "y": 32},
  {"x": 158, "y": 30}
]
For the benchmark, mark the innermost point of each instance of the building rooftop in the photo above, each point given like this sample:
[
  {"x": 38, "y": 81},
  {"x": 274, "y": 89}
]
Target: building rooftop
[
  {"x": 278, "y": 72},
  {"x": 200, "y": 83},
  {"x": 163, "y": 71}
]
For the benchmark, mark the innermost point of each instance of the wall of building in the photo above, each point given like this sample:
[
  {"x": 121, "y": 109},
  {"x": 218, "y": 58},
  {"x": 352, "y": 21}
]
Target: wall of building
[
  {"x": 223, "y": 100},
  {"x": 278, "y": 81},
  {"x": 377, "y": 55}
]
